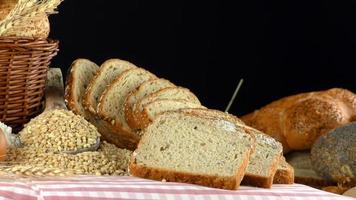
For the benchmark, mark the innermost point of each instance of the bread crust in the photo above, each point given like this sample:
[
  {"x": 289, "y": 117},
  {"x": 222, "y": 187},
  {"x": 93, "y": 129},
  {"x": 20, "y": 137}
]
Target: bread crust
[
  {"x": 292, "y": 120},
  {"x": 229, "y": 183},
  {"x": 145, "y": 119},
  {"x": 128, "y": 108},
  {"x": 121, "y": 136},
  {"x": 138, "y": 118},
  {"x": 284, "y": 176},
  {"x": 69, "y": 93},
  {"x": 87, "y": 101},
  {"x": 249, "y": 179},
  {"x": 260, "y": 181}
]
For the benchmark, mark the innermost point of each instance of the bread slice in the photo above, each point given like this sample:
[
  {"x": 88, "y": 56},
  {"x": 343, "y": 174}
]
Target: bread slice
[
  {"x": 111, "y": 104},
  {"x": 154, "y": 108},
  {"x": 264, "y": 162},
  {"x": 145, "y": 89},
  {"x": 80, "y": 74},
  {"x": 303, "y": 170},
  {"x": 166, "y": 93},
  {"x": 284, "y": 173},
  {"x": 109, "y": 70},
  {"x": 184, "y": 147}
]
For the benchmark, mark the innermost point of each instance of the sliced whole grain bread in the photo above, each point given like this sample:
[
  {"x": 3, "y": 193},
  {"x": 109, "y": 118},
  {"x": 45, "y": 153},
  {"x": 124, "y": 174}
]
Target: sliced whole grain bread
[
  {"x": 111, "y": 104},
  {"x": 177, "y": 93},
  {"x": 188, "y": 148},
  {"x": 108, "y": 71},
  {"x": 154, "y": 108},
  {"x": 143, "y": 90},
  {"x": 284, "y": 173},
  {"x": 80, "y": 74},
  {"x": 264, "y": 162}
]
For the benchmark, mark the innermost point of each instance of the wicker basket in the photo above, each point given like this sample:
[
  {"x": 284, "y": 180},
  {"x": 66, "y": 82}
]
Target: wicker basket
[{"x": 24, "y": 63}]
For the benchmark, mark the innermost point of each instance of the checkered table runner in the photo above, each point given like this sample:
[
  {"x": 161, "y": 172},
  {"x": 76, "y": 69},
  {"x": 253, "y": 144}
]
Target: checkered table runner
[{"x": 93, "y": 187}]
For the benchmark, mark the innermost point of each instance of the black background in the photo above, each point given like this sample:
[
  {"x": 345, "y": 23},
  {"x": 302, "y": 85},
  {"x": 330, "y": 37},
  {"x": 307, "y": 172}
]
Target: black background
[{"x": 279, "y": 48}]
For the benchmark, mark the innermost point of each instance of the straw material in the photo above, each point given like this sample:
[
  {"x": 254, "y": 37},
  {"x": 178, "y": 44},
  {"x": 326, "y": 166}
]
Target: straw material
[
  {"x": 27, "y": 9},
  {"x": 23, "y": 69}
]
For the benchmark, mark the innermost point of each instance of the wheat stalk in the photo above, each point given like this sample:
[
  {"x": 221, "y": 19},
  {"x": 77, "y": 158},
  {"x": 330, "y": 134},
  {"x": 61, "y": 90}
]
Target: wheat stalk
[
  {"x": 28, "y": 9},
  {"x": 35, "y": 171}
]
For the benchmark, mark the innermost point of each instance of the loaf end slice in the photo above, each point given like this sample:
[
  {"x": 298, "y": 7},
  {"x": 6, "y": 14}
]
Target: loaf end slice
[
  {"x": 181, "y": 147},
  {"x": 80, "y": 74},
  {"x": 108, "y": 71}
]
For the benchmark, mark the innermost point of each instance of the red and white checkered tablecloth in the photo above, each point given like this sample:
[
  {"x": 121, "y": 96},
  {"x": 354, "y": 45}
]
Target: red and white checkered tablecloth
[{"x": 93, "y": 187}]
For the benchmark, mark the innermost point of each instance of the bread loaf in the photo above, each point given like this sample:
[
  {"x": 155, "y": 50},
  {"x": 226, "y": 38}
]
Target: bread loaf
[
  {"x": 34, "y": 27},
  {"x": 297, "y": 121},
  {"x": 333, "y": 155},
  {"x": 189, "y": 148}
]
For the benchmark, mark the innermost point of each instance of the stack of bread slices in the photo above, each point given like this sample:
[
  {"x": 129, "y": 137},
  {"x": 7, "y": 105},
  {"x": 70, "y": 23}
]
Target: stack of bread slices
[{"x": 175, "y": 138}]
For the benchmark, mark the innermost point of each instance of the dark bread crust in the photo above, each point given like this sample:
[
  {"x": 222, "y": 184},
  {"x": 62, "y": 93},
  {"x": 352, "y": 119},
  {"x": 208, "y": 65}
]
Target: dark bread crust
[{"x": 229, "y": 183}]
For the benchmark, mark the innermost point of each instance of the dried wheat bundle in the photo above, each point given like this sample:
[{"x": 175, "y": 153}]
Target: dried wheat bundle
[{"x": 25, "y": 9}]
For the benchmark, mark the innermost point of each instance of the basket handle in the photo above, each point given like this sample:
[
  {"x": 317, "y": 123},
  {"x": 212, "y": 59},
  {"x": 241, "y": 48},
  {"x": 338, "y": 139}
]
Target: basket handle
[{"x": 54, "y": 90}]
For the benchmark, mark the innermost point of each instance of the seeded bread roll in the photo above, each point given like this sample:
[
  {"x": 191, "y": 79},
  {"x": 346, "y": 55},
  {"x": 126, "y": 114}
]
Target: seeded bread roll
[
  {"x": 80, "y": 74},
  {"x": 333, "y": 155},
  {"x": 111, "y": 105},
  {"x": 183, "y": 147},
  {"x": 297, "y": 121}
]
